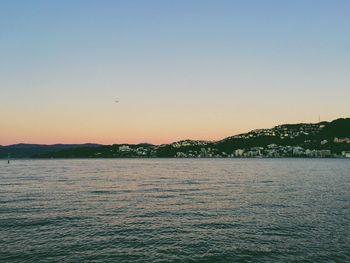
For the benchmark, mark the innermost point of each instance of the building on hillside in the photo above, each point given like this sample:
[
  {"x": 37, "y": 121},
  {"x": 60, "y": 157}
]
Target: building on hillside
[
  {"x": 345, "y": 154},
  {"x": 341, "y": 140},
  {"x": 124, "y": 148},
  {"x": 238, "y": 153},
  {"x": 203, "y": 153},
  {"x": 323, "y": 142}
]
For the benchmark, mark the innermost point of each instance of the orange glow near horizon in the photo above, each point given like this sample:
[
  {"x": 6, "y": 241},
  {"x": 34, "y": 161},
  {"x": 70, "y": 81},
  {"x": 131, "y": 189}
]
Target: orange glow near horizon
[{"x": 51, "y": 131}]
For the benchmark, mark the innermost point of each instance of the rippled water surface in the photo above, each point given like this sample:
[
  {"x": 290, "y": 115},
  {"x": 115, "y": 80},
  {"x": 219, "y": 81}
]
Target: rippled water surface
[{"x": 171, "y": 210}]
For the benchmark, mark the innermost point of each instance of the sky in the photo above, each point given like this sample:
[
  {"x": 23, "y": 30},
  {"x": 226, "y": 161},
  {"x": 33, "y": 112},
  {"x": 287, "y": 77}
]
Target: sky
[{"x": 184, "y": 69}]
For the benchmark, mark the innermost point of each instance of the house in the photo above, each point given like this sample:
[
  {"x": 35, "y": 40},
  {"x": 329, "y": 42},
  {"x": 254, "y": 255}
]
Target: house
[
  {"x": 238, "y": 153},
  {"x": 323, "y": 142},
  {"x": 124, "y": 148},
  {"x": 345, "y": 154},
  {"x": 341, "y": 140}
]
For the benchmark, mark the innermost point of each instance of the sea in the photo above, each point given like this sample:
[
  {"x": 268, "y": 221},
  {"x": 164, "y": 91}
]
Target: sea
[{"x": 175, "y": 210}]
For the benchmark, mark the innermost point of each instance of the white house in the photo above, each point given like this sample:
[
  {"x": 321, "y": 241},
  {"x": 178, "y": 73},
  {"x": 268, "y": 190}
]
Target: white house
[{"x": 345, "y": 154}]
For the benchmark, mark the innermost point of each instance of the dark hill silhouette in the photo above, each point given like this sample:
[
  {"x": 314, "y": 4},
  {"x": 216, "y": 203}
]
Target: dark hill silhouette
[{"x": 23, "y": 150}]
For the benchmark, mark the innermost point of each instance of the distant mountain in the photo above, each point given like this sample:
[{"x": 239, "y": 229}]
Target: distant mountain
[
  {"x": 324, "y": 139},
  {"x": 23, "y": 150}
]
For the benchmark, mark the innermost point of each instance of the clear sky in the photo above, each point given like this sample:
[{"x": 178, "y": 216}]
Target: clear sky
[{"x": 180, "y": 69}]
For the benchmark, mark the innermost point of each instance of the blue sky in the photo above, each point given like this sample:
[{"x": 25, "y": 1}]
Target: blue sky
[{"x": 181, "y": 69}]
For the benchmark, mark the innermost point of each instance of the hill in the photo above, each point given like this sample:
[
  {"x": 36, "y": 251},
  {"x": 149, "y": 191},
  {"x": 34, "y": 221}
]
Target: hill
[
  {"x": 324, "y": 139},
  {"x": 23, "y": 150}
]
